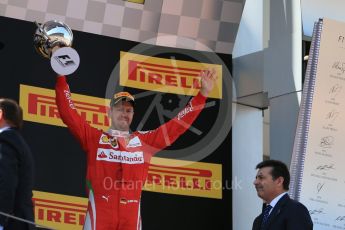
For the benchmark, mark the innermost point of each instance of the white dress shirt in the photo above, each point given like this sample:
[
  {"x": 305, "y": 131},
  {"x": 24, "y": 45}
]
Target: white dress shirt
[{"x": 1, "y": 130}]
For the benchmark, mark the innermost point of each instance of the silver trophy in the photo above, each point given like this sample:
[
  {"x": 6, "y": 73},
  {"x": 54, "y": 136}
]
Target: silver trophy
[{"x": 53, "y": 40}]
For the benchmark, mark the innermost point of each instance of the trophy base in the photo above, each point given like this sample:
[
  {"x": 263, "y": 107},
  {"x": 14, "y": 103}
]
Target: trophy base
[{"x": 65, "y": 61}]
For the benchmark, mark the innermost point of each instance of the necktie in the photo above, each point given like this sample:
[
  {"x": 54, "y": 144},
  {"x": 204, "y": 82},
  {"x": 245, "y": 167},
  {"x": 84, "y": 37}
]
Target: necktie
[{"x": 266, "y": 213}]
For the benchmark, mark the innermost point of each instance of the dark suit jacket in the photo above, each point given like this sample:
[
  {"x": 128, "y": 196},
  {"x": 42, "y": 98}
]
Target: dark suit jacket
[
  {"x": 16, "y": 180},
  {"x": 287, "y": 214}
]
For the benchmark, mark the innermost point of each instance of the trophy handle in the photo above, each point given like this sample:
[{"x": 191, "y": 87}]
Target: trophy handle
[{"x": 44, "y": 34}]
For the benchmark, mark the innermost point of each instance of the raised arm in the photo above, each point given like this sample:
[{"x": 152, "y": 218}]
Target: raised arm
[
  {"x": 68, "y": 112},
  {"x": 167, "y": 133}
]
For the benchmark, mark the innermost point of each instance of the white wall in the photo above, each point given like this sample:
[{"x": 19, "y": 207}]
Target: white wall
[
  {"x": 246, "y": 154},
  {"x": 247, "y": 150},
  {"x": 266, "y": 58},
  {"x": 283, "y": 75}
]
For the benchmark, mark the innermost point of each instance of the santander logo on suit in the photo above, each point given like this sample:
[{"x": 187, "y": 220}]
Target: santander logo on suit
[{"x": 114, "y": 155}]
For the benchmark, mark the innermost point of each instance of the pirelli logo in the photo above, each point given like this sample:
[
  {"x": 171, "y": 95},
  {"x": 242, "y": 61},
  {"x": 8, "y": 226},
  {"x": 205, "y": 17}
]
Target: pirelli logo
[
  {"x": 184, "y": 178},
  {"x": 165, "y": 75},
  {"x": 59, "y": 211},
  {"x": 39, "y": 106}
]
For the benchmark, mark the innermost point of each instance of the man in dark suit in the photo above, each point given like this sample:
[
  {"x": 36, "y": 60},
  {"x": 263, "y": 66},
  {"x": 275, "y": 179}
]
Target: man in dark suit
[
  {"x": 279, "y": 211},
  {"x": 16, "y": 169}
]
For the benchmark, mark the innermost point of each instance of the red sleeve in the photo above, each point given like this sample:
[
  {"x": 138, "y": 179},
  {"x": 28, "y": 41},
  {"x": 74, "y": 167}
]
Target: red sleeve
[
  {"x": 68, "y": 113},
  {"x": 167, "y": 133}
]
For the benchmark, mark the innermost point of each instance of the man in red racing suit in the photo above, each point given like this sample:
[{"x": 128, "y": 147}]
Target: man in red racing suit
[{"x": 118, "y": 161}]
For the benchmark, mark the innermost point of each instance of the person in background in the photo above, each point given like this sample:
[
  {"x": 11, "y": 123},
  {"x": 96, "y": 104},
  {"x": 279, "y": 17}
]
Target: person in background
[
  {"x": 279, "y": 211},
  {"x": 16, "y": 169}
]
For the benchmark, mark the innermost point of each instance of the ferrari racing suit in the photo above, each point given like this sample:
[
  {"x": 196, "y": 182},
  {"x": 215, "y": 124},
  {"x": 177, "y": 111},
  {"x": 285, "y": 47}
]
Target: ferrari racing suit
[{"x": 117, "y": 166}]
